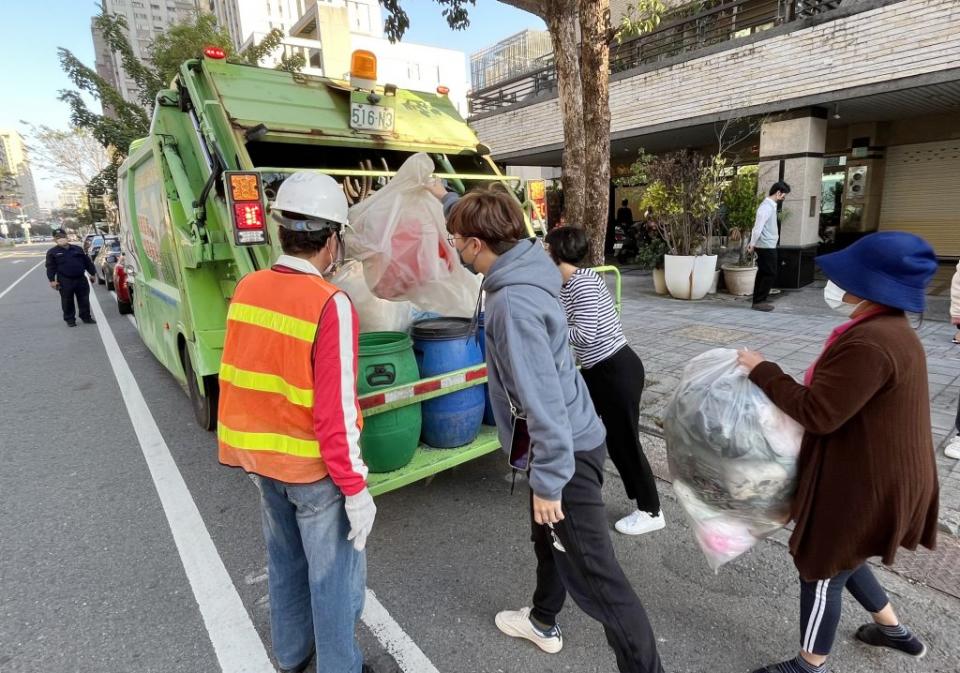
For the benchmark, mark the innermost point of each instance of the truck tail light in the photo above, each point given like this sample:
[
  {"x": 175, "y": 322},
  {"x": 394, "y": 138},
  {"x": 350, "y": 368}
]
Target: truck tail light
[
  {"x": 363, "y": 69},
  {"x": 245, "y": 200},
  {"x": 248, "y": 216},
  {"x": 214, "y": 52}
]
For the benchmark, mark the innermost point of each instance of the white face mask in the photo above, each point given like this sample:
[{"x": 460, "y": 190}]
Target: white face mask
[{"x": 833, "y": 296}]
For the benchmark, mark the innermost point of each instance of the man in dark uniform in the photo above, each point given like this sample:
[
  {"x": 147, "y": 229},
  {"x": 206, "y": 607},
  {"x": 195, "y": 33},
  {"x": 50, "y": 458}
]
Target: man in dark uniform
[{"x": 65, "y": 266}]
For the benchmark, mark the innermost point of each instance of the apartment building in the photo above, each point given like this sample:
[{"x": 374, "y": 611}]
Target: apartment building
[
  {"x": 145, "y": 20},
  {"x": 16, "y": 178},
  {"x": 856, "y": 104}
]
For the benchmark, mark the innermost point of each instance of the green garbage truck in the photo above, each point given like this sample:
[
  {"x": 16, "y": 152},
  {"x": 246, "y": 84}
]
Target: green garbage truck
[{"x": 194, "y": 194}]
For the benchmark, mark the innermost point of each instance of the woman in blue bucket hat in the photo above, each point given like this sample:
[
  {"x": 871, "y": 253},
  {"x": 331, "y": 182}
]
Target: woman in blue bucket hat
[{"x": 867, "y": 480}]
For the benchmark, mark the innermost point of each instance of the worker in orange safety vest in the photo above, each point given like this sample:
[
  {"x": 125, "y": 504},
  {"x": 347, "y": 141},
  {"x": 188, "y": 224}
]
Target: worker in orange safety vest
[{"x": 289, "y": 415}]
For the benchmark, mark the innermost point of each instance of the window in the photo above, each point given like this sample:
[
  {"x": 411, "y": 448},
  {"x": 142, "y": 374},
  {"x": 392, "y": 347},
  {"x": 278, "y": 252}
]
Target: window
[
  {"x": 413, "y": 71},
  {"x": 315, "y": 58}
]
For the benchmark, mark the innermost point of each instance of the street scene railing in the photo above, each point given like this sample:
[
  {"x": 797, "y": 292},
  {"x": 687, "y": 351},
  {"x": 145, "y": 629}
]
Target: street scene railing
[{"x": 684, "y": 30}]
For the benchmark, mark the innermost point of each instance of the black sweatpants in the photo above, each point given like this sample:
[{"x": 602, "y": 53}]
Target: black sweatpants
[
  {"x": 615, "y": 385},
  {"x": 820, "y": 604},
  {"x": 576, "y": 556},
  {"x": 70, "y": 288},
  {"x": 766, "y": 274}
]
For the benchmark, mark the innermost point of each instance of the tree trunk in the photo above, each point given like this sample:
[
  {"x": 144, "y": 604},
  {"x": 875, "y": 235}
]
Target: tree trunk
[
  {"x": 561, "y": 18},
  {"x": 595, "y": 78}
]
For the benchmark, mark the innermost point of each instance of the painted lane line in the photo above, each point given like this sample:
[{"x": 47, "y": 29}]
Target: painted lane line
[
  {"x": 235, "y": 641},
  {"x": 14, "y": 283},
  {"x": 394, "y": 639}
]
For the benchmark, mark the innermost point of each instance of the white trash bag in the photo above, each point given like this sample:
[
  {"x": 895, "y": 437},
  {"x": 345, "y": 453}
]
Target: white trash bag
[
  {"x": 400, "y": 236},
  {"x": 732, "y": 455},
  {"x": 375, "y": 314}
]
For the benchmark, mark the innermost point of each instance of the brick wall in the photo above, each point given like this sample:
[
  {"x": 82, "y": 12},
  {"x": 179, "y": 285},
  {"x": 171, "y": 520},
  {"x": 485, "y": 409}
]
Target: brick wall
[{"x": 900, "y": 40}]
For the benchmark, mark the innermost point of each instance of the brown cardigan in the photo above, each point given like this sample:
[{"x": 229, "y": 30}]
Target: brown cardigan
[{"x": 867, "y": 478}]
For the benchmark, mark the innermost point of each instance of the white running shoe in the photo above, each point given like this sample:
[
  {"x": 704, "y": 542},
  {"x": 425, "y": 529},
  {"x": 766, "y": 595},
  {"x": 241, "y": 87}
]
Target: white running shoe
[
  {"x": 952, "y": 449},
  {"x": 517, "y": 624},
  {"x": 639, "y": 523}
]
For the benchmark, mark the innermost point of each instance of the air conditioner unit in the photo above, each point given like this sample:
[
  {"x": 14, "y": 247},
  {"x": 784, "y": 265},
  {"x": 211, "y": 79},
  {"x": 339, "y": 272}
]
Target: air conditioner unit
[{"x": 856, "y": 183}]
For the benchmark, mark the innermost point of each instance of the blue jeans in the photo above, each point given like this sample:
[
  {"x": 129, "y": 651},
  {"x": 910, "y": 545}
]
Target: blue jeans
[{"x": 317, "y": 579}]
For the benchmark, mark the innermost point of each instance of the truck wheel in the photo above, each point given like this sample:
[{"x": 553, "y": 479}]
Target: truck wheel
[
  {"x": 204, "y": 405},
  {"x": 100, "y": 279}
]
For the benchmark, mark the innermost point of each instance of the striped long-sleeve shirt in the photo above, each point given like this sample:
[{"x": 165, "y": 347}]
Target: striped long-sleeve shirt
[{"x": 595, "y": 330}]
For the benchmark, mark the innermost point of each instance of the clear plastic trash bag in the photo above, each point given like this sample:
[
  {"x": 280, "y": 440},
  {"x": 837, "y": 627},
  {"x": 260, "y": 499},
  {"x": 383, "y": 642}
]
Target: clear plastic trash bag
[
  {"x": 400, "y": 236},
  {"x": 732, "y": 455}
]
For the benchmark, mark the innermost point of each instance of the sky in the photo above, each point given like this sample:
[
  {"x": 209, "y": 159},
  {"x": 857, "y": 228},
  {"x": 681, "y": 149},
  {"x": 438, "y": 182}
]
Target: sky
[{"x": 32, "y": 32}]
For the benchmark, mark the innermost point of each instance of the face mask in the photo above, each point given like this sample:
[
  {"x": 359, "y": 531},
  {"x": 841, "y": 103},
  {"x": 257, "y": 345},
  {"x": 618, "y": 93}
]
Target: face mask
[
  {"x": 336, "y": 262},
  {"x": 833, "y": 296},
  {"x": 466, "y": 265}
]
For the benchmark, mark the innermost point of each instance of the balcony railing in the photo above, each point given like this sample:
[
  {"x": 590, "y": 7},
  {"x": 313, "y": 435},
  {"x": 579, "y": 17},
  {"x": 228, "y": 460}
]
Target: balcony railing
[{"x": 686, "y": 29}]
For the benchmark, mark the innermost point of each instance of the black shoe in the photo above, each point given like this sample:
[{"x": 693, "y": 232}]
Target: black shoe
[
  {"x": 872, "y": 634},
  {"x": 71, "y": 323},
  {"x": 765, "y": 307},
  {"x": 89, "y": 321},
  {"x": 302, "y": 666}
]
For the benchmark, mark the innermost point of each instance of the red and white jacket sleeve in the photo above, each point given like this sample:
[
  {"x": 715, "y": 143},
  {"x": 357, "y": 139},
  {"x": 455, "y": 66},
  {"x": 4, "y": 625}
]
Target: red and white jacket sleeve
[{"x": 336, "y": 411}]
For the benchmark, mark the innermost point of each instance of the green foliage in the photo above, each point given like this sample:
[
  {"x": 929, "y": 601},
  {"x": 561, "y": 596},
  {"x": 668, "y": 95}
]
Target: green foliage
[
  {"x": 184, "y": 41},
  {"x": 740, "y": 200},
  {"x": 397, "y": 22},
  {"x": 114, "y": 30},
  {"x": 640, "y": 19},
  {"x": 650, "y": 255}
]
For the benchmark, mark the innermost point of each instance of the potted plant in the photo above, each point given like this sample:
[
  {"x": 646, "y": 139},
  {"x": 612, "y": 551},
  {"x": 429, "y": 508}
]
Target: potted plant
[
  {"x": 681, "y": 191},
  {"x": 650, "y": 256},
  {"x": 740, "y": 200}
]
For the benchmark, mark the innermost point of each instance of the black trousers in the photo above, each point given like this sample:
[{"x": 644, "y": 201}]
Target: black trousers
[
  {"x": 766, "y": 274},
  {"x": 79, "y": 288},
  {"x": 615, "y": 386},
  {"x": 820, "y": 603},
  {"x": 576, "y": 556}
]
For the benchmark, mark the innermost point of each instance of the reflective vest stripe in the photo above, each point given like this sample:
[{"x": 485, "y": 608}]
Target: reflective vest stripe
[
  {"x": 268, "y": 441},
  {"x": 266, "y": 383},
  {"x": 272, "y": 320}
]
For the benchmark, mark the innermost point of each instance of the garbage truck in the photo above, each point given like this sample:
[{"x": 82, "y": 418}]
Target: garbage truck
[{"x": 194, "y": 196}]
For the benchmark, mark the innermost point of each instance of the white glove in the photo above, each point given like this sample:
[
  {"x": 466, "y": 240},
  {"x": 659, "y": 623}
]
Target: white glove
[{"x": 361, "y": 512}]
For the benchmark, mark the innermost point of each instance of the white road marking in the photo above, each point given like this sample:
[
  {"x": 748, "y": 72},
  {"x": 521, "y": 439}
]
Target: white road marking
[
  {"x": 236, "y": 642},
  {"x": 14, "y": 283},
  {"x": 404, "y": 651},
  {"x": 17, "y": 261}
]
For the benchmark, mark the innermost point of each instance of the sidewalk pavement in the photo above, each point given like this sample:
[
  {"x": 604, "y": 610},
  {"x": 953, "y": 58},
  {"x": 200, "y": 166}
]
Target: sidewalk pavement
[{"x": 667, "y": 333}]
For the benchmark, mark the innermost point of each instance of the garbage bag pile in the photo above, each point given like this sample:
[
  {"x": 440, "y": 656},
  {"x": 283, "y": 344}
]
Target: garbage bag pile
[
  {"x": 732, "y": 455},
  {"x": 399, "y": 236}
]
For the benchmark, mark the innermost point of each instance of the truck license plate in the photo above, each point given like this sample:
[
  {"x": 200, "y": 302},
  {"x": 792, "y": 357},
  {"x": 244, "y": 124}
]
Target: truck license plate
[{"x": 377, "y": 118}]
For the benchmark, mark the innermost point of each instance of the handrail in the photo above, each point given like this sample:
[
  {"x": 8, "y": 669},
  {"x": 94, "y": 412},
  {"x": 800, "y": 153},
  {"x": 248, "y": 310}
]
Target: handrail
[{"x": 682, "y": 33}]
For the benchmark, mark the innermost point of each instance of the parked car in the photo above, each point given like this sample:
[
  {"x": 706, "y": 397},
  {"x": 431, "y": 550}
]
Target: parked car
[
  {"x": 92, "y": 244},
  {"x": 106, "y": 259},
  {"x": 122, "y": 271}
]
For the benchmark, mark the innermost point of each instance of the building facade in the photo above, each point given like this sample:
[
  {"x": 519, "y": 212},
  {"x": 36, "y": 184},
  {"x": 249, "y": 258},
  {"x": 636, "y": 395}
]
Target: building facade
[
  {"x": 145, "y": 20},
  {"x": 16, "y": 178},
  {"x": 856, "y": 102}
]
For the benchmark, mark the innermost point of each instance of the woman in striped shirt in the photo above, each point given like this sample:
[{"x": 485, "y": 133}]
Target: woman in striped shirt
[{"x": 613, "y": 373}]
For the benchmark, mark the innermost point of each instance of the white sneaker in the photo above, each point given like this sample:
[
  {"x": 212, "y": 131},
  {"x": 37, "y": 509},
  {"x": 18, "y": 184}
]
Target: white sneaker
[
  {"x": 639, "y": 523},
  {"x": 517, "y": 624},
  {"x": 952, "y": 449}
]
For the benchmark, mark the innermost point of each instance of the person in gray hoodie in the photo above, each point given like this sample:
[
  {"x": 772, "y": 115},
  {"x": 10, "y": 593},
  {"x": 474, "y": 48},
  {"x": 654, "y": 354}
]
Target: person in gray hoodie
[{"x": 533, "y": 376}]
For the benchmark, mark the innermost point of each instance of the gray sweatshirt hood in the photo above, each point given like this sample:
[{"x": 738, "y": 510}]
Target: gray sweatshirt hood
[{"x": 527, "y": 263}]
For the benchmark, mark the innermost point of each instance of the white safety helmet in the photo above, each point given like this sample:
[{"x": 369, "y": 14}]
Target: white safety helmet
[{"x": 315, "y": 196}]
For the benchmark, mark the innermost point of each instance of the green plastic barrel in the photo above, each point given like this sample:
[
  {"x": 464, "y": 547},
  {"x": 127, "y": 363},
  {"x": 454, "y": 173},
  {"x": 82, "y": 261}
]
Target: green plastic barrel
[{"x": 388, "y": 440}]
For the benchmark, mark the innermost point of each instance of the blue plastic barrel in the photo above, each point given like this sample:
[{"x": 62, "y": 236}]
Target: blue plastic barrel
[
  {"x": 488, "y": 418},
  {"x": 445, "y": 345}
]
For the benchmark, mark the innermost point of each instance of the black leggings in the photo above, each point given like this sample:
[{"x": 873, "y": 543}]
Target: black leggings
[
  {"x": 576, "y": 556},
  {"x": 615, "y": 385},
  {"x": 820, "y": 603}
]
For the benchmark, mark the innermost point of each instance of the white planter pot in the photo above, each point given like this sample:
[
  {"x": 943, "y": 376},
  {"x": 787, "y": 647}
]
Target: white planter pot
[
  {"x": 739, "y": 279},
  {"x": 716, "y": 281},
  {"x": 659, "y": 281},
  {"x": 690, "y": 277}
]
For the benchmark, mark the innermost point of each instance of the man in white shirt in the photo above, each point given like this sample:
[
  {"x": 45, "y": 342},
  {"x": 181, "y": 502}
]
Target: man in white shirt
[{"x": 763, "y": 241}]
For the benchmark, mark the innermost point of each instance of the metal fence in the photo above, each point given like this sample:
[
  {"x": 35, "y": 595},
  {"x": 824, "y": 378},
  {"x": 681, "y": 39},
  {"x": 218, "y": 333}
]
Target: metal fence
[{"x": 685, "y": 29}]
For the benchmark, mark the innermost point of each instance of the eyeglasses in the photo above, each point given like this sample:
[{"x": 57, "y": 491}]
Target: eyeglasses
[{"x": 451, "y": 238}]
